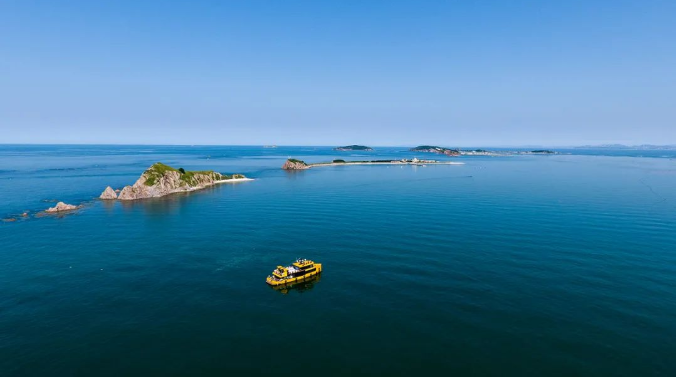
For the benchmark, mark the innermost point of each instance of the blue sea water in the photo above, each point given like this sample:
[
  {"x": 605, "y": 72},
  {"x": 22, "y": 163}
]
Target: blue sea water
[{"x": 521, "y": 265}]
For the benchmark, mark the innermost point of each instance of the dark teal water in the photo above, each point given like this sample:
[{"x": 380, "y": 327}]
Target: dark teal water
[{"x": 525, "y": 265}]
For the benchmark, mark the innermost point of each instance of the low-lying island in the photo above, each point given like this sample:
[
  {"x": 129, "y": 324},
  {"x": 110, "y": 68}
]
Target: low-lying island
[{"x": 294, "y": 164}]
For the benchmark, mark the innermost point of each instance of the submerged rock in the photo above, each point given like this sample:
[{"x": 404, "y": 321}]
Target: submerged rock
[
  {"x": 293, "y": 164},
  {"x": 61, "y": 207},
  {"x": 108, "y": 194}
]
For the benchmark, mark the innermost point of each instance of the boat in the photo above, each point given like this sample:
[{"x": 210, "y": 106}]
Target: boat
[{"x": 300, "y": 270}]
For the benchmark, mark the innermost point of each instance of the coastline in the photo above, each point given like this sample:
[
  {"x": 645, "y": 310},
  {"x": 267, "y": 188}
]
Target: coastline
[{"x": 233, "y": 180}]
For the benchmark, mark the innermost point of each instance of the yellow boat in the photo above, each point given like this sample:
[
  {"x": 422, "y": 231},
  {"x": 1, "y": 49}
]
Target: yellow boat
[{"x": 300, "y": 270}]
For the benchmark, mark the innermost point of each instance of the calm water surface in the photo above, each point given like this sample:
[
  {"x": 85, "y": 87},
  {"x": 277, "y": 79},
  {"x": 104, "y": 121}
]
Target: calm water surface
[{"x": 525, "y": 265}]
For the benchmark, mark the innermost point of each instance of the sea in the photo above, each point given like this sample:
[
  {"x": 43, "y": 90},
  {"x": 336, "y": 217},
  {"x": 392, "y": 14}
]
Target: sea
[{"x": 520, "y": 265}]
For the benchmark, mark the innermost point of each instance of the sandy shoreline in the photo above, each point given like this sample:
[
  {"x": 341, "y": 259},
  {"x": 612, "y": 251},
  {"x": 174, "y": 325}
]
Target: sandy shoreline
[{"x": 233, "y": 180}]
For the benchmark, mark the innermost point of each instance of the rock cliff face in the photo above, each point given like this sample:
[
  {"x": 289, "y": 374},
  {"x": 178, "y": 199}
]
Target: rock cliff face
[
  {"x": 61, "y": 207},
  {"x": 293, "y": 164},
  {"x": 160, "y": 180},
  {"x": 108, "y": 194}
]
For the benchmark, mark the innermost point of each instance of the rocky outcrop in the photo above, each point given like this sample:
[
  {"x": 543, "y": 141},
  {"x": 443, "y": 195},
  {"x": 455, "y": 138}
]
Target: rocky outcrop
[
  {"x": 293, "y": 164},
  {"x": 160, "y": 180},
  {"x": 13, "y": 219},
  {"x": 108, "y": 194},
  {"x": 435, "y": 149},
  {"x": 61, "y": 207}
]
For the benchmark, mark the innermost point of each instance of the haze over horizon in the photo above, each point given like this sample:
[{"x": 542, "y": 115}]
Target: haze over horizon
[{"x": 393, "y": 73}]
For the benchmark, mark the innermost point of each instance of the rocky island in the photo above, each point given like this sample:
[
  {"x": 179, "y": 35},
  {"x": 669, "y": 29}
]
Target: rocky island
[
  {"x": 435, "y": 149},
  {"x": 353, "y": 148},
  {"x": 160, "y": 180},
  {"x": 294, "y": 164},
  {"x": 61, "y": 207},
  {"x": 108, "y": 194}
]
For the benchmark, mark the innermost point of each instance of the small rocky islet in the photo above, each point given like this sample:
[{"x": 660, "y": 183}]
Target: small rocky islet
[
  {"x": 62, "y": 207},
  {"x": 160, "y": 180},
  {"x": 294, "y": 164},
  {"x": 59, "y": 208}
]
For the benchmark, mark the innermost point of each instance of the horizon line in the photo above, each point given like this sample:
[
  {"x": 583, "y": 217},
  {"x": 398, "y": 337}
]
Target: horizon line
[{"x": 335, "y": 146}]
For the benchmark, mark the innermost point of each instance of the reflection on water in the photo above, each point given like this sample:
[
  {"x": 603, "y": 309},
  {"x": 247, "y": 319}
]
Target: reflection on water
[
  {"x": 299, "y": 287},
  {"x": 293, "y": 174}
]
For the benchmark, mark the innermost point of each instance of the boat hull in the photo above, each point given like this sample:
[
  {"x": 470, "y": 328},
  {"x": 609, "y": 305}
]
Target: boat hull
[{"x": 297, "y": 279}]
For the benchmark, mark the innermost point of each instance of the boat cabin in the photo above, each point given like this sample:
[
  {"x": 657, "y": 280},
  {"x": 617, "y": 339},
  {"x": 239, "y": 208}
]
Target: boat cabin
[{"x": 299, "y": 268}]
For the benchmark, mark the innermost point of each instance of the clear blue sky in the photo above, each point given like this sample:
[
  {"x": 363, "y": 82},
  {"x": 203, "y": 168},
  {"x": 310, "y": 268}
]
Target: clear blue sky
[{"x": 454, "y": 73}]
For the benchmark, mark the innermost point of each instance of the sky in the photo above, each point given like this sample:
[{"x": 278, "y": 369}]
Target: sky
[{"x": 450, "y": 73}]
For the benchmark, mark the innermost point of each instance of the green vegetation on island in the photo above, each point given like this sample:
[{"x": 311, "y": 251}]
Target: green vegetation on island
[
  {"x": 160, "y": 179},
  {"x": 338, "y": 161},
  {"x": 158, "y": 170},
  {"x": 353, "y": 148}
]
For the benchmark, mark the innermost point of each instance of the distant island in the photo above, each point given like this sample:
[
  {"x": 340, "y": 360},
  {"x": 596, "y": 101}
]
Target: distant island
[
  {"x": 474, "y": 152},
  {"x": 294, "y": 164},
  {"x": 435, "y": 149},
  {"x": 484, "y": 152},
  {"x": 631, "y": 147},
  {"x": 160, "y": 180},
  {"x": 353, "y": 148}
]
